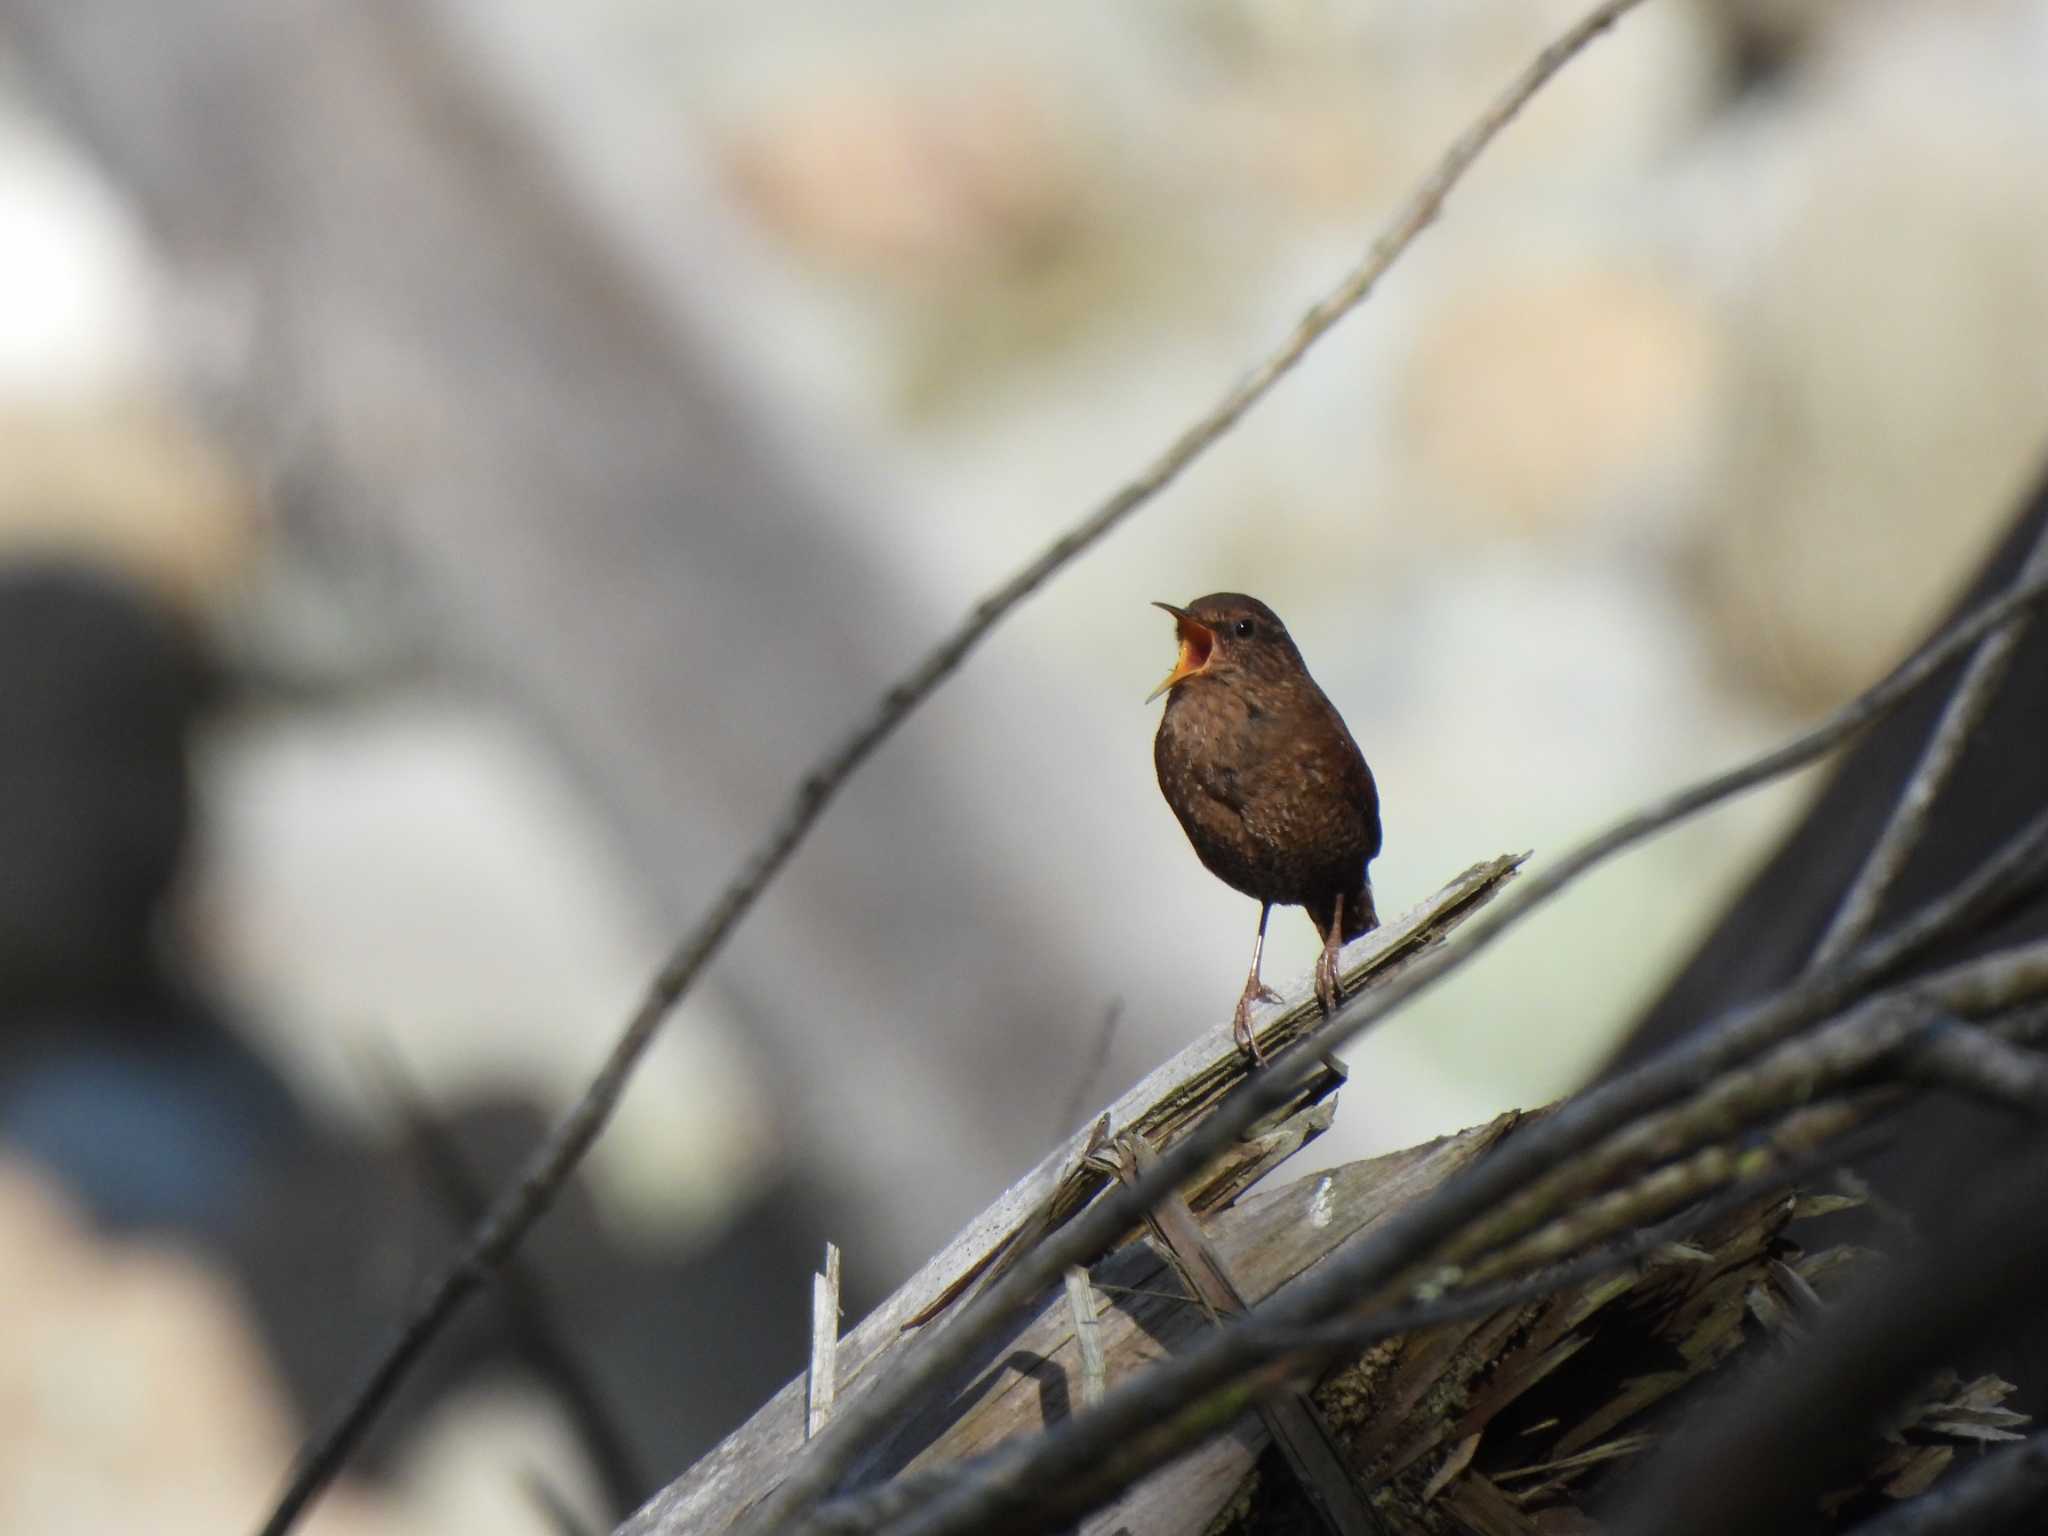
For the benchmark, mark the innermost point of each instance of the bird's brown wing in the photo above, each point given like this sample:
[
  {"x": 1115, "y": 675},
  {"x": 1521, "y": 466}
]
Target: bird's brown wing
[
  {"x": 1347, "y": 902},
  {"x": 1317, "y": 798}
]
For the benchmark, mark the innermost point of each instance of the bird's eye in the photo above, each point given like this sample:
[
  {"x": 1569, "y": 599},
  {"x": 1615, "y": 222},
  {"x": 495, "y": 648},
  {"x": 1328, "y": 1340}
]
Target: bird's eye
[{"x": 1242, "y": 628}]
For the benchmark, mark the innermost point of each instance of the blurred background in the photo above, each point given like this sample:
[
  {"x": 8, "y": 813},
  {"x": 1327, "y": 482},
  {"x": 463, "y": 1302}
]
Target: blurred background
[{"x": 460, "y": 461}]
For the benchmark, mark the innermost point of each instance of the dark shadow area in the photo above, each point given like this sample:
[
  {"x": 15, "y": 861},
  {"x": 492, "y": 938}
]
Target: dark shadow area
[{"x": 128, "y": 1086}]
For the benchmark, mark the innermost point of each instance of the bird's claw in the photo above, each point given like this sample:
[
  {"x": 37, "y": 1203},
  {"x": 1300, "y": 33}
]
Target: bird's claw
[
  {"x": 1329, "y": 982},
  {"x": 1241, "y": 1022}
]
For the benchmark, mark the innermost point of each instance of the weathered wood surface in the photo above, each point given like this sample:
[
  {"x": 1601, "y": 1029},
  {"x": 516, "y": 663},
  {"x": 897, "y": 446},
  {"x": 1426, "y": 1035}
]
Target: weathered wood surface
[
  {"x": 1261, "y": 1245},
  {"x": 1034, "y": 1375},
  {"x": 1497, "y": 1425},
  {"x": 1502, "y": 1424},
  {"x": 1162, "y": 1108},
  {"x": 1288, "y": 1415}
]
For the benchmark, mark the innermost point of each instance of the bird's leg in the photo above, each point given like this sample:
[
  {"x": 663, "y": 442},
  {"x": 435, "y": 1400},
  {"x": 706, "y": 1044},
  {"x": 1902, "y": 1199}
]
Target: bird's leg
[
  {"x": 1329, "y": 984},
  {"x": 1255, "y": 991}
]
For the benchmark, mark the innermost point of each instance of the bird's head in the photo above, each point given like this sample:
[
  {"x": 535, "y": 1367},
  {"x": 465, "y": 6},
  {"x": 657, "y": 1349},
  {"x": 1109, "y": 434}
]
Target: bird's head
[{"x": 1228, "y": 637}]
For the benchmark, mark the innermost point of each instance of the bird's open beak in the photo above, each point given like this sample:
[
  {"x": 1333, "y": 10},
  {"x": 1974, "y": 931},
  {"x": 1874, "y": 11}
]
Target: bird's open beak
[{"x": 1197, "y": 640}]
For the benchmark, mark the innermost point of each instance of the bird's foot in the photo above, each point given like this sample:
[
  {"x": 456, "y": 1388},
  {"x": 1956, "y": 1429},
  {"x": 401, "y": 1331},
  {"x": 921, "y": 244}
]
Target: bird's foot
[
  {"x": 1241, "y": 1021},
  {"x": 1329, "y": 980}
]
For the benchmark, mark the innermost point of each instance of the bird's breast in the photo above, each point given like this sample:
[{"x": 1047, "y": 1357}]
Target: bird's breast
[{"x": 1267, "y": 790}]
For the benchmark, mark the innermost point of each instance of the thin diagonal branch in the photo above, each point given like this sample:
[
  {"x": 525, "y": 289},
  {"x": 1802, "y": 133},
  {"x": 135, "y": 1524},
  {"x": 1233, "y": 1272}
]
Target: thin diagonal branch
[
  {"x": 1084, "y": 1080},
  {"x": 515, "y": 1213},
  {"x": 1408, "y": 1236},
  {"x": 1858, "y": 912},
  {"x": 536, "y": 1333},
  {"x": 1735, "y": 1089},
  {"x": 1914, "y": 1022}
]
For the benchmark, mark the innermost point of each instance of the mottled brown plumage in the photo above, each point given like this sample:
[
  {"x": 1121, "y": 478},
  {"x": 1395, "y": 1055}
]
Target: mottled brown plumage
[{"x": 1272, "y": 791}]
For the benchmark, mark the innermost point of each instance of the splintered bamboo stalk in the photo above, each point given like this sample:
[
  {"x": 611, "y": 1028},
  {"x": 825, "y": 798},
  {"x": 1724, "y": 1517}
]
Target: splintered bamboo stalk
[
  {"x": 1495, "y": 1424},
  {"x": 1487, "y": 1389},
  {"x": 1087, "y": 1336},
  {"x": 1288, "y": 1416},
  {"x": 823, "y": 1377},
  {"x": 1162, "y": 1108}
]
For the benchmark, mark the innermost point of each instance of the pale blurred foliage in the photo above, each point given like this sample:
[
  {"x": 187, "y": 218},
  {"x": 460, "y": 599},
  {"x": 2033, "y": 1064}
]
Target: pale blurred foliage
[{"x": 132, "y": 1394}]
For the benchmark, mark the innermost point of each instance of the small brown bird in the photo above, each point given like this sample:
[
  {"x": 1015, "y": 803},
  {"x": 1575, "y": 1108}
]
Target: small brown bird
[{"x": 1266, "y": 781}]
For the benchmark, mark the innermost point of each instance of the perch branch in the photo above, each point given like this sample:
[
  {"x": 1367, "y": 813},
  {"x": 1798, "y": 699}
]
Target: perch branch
[
  {"x": 516, "y": 1212},
  {"x": 1164, "y": 1107},
  {"x": 1191, "y": 1085}
]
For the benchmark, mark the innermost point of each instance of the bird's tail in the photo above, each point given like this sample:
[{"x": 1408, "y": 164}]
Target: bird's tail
[{"x": 1360, "y": 915}]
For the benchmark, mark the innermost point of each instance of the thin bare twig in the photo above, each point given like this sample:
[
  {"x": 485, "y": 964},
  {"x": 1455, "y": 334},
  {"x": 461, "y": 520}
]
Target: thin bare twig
[
  {"x": 516, "y": 1212},
  {"x": 1084, "y": 1080},
  {"x": 554, "y": 1505},
  {"x": 1910, "y": 1023},
  {"x": 1412, "y": 1233},
  {"x": 1965, "y": 709},
  {"x": 1742, "y": 1090},
  {"x": 536, "y": 1335}
]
